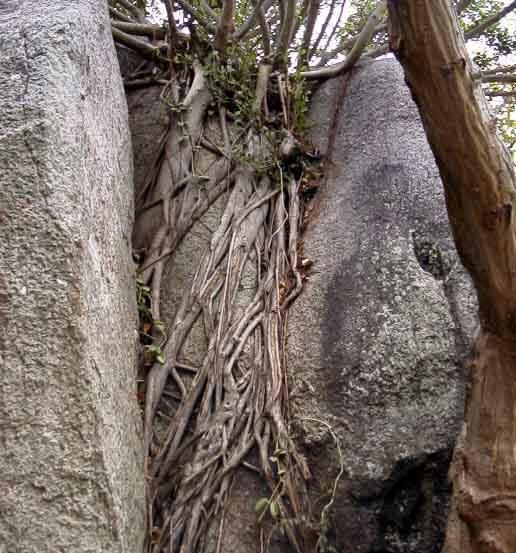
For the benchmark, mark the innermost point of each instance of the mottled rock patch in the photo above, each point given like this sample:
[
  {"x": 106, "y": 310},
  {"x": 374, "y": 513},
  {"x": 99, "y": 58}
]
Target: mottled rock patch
[{"x": 378, "y": 338}]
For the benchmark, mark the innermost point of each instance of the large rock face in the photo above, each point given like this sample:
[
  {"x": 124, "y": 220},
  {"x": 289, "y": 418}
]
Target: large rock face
[
  {"x": 70, "y": 454},
  {"x": 377, "y": 339}
]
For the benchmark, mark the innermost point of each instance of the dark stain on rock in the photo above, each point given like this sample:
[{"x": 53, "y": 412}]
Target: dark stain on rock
[
  {"x": 357, "y": 291},
  {"x": 386, "y": 207},
  {"x": 413, "y": 504},
  {"x": 404, "y": 513},
  {"x": 407, "y": 512}
]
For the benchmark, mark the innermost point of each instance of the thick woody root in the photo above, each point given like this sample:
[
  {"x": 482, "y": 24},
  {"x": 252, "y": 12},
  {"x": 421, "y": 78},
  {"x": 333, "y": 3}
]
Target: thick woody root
[{"x": 235, "y": 400}]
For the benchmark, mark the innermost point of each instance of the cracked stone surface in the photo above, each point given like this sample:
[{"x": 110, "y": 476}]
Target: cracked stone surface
[
  {"x": 378, "y": 338},
  {"x": 70, "y": 451}
]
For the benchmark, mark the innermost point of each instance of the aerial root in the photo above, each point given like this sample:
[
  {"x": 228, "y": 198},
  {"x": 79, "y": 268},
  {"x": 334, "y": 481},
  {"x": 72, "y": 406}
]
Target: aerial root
[{"x": 235, "y": 399}]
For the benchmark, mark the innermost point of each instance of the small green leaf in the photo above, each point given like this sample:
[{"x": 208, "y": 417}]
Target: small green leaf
[
  {"x": 274, "y": 508},
  {"x": 160, "y": 358},
  {"x": 261, "y": 505},
  {"x": 160, "y": 326}
]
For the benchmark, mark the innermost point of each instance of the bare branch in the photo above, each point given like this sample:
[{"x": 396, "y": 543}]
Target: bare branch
[
  {"x": 266, "y": 33},
  {"x": 132, "y": 9},
  {"x": 145, "y": 49},
  {"x": 500, "y": 78},
  {"x": 262, "y": 5},
  {"x": 461, "y": 5},
  {"x": 501, "y": 93},
  {"x": 173, "y": 38},
  {"x": 313, "y": 12},
  {"x": 119, "y": 15},
  {"x": 481, "y": 26},
  {"x": 226, "y": 25},
  {"x": 143, "y": 82},
  {"x": 496, "y": 70},
  {"x": 346, "y": 45},
  {"x": 287, "y": 27},
  {"x": 323, "y": 29},
  {"x": 143, "y": 29},
  {"x": 362, "y": 40}
]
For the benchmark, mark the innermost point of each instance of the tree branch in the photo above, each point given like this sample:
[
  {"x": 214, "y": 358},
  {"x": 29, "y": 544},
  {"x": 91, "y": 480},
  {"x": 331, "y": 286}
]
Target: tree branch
[
  {"x": 361, "y": 42},
  {"x": 142, "y": 29},
  {"x": 132, "y": 9},
  {"x": 346, "y": 45},
  {"x": 226, "y": 25},
  {"x": 481, "y": 26},
  {"x": 331, "y": 35},
  {"x": 287, "y": 27},
  {"x": 477, "y": 174},
  {"x": 265, "y": 34},
  {"x": 145, "y": 49},
  {"x": 501, "y": 93},
  {"x": 500, "y": 78},
  {"x": 499, "y": 69},
  {"x": 313, "y": 11},
  {"x": 480, "y": 189},
  {"x": 173, "y": 41}
]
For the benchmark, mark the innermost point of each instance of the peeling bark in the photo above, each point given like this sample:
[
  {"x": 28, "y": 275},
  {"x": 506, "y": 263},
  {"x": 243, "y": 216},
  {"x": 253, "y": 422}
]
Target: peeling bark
[{"x": 479, "y": 184}]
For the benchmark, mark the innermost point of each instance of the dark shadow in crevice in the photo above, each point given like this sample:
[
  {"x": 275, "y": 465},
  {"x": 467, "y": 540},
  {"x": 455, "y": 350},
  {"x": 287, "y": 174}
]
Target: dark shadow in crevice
[{"x": 412, "y": 505}]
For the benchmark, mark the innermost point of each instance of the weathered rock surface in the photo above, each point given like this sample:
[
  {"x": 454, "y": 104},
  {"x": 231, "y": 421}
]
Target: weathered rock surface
[
  {"x": 377, "y": 339},
  {"x": 70, "y": 454}
]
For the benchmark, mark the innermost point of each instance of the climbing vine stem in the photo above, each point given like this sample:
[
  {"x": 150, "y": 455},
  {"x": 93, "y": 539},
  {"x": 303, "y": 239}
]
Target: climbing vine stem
[{"x": 233, "y": 146}]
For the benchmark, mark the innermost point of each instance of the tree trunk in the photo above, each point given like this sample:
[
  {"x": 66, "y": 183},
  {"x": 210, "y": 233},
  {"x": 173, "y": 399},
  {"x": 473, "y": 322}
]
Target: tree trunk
[
  {"x": 479, "y": 185},
  {"x": 484, "y": 467}
]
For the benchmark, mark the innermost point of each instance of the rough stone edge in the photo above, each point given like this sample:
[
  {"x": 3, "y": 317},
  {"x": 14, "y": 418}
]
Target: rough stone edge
[{"x": 123, "y": 513}]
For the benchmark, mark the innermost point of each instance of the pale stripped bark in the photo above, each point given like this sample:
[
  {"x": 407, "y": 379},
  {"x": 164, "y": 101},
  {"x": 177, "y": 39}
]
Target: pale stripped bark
[
  {"x": 479, "y": 184},
  {"x": 235, "y": 400}
]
